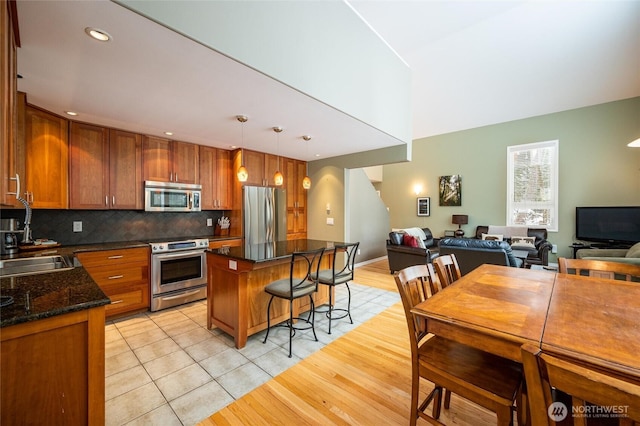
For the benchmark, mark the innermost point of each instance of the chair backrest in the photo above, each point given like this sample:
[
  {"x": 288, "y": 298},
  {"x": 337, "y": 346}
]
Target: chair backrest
[
  {"x": 416, "y": 284},
  {"x": 305, "y": 266},
  {"x": 343, "y": 268},
  {"x": 447, "y": 268},
  {"x": 599, "y": 268},
  {"x": 543, "y": 371}
]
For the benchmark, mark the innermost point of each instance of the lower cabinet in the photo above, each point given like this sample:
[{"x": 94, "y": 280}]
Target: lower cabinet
[
  {"x": 53, "y": 370},
  {"x": 123, "y": 275}
]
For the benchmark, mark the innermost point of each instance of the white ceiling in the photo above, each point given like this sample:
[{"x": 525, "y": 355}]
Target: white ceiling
[{"x": 473, "y": 63}]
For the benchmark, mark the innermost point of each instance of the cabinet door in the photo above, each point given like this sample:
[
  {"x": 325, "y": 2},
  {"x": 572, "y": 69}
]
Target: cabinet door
[
  {"x": 272, "y": 164},
  {"x": 126, "y": 186},
  {"x": 254, "y": 162},
  {"x": 185, "y": 162},
  {"x": 8, "y": 111},
  {"x": 47, "y": 154},
  {"x": 208, "y": 158},
  {"x": 88, "y": 167},
  {"x": 156, "y": 157},
  {"x": 223, "y": 179},
  {"x": 301, "y": 198}
]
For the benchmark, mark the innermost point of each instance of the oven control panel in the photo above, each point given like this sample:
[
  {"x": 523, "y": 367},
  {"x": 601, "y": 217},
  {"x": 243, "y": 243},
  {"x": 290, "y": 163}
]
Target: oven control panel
[{"x": 170, "y": 246}]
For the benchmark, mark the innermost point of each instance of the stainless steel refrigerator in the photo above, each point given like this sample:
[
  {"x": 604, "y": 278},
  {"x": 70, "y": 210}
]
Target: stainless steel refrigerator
[{"x": 265, "y": 214}]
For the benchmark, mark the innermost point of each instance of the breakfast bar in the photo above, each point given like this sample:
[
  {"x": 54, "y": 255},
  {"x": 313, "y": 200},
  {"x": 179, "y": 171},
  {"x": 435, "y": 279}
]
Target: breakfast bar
[{"x": 237, "y": 276}]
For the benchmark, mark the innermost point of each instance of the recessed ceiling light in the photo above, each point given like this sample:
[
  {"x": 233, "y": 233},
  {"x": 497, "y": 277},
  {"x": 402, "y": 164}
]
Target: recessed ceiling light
[
  {"x": 97, "y": 34},
  {"x": 168, "y": 133},
  {"x": 317, "y": 155},
  {"x": 232, "y": 146},
  {"x": 71, "y": 113}
]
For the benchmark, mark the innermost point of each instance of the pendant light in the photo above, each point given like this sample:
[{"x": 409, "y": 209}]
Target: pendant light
[
  {"x": 278, "y": 179},
  {"x": 306, "y": 182},
  {"x": 242, "y": 174}
]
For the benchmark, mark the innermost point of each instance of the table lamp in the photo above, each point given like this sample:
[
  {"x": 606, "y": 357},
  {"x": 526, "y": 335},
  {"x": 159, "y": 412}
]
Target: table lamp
[{"x": 459, "y": 219}]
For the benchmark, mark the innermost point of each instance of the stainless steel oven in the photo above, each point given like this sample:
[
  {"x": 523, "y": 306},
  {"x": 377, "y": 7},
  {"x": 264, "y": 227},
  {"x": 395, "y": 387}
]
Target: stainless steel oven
[{"x": 178, "y": 272}]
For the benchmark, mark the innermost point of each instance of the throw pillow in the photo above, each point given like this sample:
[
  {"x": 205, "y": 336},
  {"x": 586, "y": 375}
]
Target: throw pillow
[
  {"x": 396, "y": 238},
  {"x": 409, "y": 240},
  {"x": 634, "y": 251},
  {"x": 492, "y": 237},
  {"x": 524, "y": 242}
]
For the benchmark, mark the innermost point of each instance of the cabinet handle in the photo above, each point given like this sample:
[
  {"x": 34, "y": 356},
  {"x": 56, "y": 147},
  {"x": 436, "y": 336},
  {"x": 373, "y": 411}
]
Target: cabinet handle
[
  {"x": 106, "y": 200},
  {"x": 113, "y": 200},
  {"x": 176, "y": 177},
  {"x": 17, "y": 193},
  {"x": 115, "y": 302},
  {"x": 115, "y": 277},
  {"x": 119, "y": 256}
]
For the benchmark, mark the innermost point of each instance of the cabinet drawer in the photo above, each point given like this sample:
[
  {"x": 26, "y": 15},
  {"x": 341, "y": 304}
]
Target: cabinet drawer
[
  {"x": 114, "y": 257},
  {"x": 225, "y": 243},
  {"x": 136, "y": 298},
  {"x": 105, "y": 276}
]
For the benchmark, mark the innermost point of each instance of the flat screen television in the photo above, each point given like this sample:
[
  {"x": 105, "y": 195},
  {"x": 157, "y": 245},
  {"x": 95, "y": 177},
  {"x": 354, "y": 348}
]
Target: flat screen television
[{"x": 613, "y": 225}]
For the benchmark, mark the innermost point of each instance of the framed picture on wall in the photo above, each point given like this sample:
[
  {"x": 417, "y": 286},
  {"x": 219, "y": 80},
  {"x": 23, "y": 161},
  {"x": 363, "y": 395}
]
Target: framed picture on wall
[
  {"x": 450, "y": 189},
  {"x": 424, "y": 206}
]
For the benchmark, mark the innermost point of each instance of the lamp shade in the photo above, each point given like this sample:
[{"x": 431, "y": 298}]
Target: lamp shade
[{"x": 460, "y": 219}]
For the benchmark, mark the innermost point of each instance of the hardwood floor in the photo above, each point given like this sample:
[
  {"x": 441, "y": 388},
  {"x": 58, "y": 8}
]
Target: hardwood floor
[{"x": 362, "y": 378}]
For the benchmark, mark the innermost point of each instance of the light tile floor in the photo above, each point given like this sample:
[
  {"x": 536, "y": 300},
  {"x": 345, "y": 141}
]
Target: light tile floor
[{"x": 166, "y": 368}]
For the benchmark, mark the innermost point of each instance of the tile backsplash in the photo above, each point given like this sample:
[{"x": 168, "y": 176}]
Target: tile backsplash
[{"x": 102, "y": 226}]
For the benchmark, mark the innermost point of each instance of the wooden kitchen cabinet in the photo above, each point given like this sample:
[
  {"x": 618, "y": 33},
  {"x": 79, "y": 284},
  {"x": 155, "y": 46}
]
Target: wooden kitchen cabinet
[
  {"x": 123, "y": 275},
  {"x": 170, "y": 161},
  {"x": 53, "y": 370},
  {"x": 261, "y": 167},
  {"x": 215, "y": 178},
  {"x": 105, "y": 168},
  {"x": 294, "y": 172},
  {"x": 47, "y": 159},
  {"x": 88, "y": 167},
  {"x": 12, "y": 158},
  {"x": 126, "y": 185}
]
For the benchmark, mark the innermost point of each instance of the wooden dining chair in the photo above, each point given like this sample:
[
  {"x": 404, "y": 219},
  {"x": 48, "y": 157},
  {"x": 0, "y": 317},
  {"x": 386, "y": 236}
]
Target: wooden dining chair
[
  {"x": 486, "y": 379},
  {"x": 544, "y": 371},
  {"x": 599, "y": 269},
  {"x": 447, "y": 268}
]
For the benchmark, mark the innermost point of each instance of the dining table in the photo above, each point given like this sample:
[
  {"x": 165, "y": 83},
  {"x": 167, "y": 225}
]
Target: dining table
[{"x": 593, "y": 321}]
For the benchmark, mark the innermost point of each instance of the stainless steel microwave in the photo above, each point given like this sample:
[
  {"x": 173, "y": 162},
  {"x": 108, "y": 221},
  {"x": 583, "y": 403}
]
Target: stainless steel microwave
[{"x": 171, "y": 197}]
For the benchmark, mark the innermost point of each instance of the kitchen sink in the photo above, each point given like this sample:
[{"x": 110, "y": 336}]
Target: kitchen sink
[{"x": 33, "y": 265}]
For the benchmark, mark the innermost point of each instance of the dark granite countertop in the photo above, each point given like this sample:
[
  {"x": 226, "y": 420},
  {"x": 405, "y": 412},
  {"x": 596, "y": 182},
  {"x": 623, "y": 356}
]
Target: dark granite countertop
[
  {"x": 50, "y": 294},
  {"x": 264, "y": 252}
]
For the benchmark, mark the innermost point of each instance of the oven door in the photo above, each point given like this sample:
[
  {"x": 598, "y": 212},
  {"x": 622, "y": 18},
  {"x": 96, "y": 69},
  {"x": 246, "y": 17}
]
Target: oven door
[{"x": 177, "y": 271}]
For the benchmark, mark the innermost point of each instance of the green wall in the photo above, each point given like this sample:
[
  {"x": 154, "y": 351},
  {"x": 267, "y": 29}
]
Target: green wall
[{"x": 596, "y": 168}]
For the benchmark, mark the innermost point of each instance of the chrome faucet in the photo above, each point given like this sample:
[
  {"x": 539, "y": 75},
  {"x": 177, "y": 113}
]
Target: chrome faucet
[{"x": 26, "y": 233}]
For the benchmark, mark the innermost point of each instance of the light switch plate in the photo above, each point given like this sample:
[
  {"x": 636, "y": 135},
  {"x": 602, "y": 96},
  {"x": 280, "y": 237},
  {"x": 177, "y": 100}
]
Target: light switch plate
[
  {"x": 329, "y": 221},
  {"x": 77, "y": 226},
  {"x": 209, "y": 222}
]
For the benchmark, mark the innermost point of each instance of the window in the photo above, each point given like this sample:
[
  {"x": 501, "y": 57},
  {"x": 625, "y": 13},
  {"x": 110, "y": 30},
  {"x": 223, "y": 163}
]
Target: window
[{"x": 532, "y": 185}]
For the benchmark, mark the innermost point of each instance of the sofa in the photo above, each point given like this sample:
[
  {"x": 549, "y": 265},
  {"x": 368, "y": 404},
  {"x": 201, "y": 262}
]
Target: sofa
[
  {"x": 538, "y": 252},
  {"x": 631, "y": 255},
  {"x": 409, "y": 247},
  {"x": 471, "y": 253}
]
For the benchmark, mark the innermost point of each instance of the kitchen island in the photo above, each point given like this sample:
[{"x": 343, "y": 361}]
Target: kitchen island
[{"x": 237, "y": 276}]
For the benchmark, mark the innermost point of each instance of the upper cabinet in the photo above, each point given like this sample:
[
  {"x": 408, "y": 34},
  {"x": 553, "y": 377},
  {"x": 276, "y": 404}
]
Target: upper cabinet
[
  {"x": 88, "y": 167},
  {"x": 126, "y": 186},
  {"x": 294, "y": 173},
  {"x": 215, "y": 174},
  {"x": 105, "y": 168},
  {"x": 261, "y": 168},
  {"x": 47, "y": 159},
  {"x": 12, "y": 161},
  {"x": 170, "y": 161}
]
